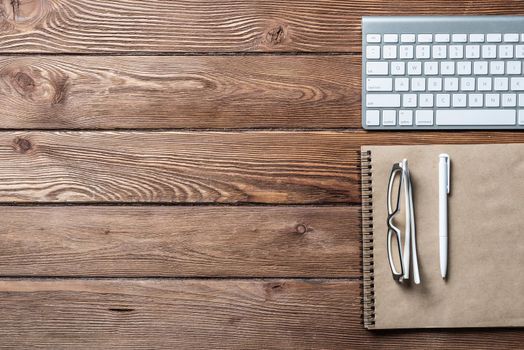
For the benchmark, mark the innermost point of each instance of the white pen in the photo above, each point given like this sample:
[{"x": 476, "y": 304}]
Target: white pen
[{"x": 443, "y": 191}]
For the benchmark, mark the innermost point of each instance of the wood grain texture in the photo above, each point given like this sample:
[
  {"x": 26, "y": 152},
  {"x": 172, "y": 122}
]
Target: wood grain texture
[
  {"x": 197, "y": 167},
  {"x": 75, "y": 92},
  {"x": 185, "y": 77},
  {"x": 90, "y": 26},
  {"x": 209, "y": 314},
  {"x": 182, "y": 167},
  {"x": 180, "y": 241}
]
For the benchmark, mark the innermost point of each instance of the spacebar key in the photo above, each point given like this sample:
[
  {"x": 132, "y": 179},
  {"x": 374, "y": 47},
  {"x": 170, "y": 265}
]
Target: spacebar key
[{"x": 476, "y": 117}]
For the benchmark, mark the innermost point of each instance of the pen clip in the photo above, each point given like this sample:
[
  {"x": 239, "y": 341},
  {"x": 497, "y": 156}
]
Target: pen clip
[
  {"x": 448, "y": 164},
  {"x": 444, "y": 156}
]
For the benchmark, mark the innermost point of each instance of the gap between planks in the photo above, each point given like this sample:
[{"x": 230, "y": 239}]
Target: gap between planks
[{"x": 181, "y": 278}]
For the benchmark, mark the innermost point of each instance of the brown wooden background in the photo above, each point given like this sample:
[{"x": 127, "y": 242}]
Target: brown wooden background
[{"x": 183, "y": 174}]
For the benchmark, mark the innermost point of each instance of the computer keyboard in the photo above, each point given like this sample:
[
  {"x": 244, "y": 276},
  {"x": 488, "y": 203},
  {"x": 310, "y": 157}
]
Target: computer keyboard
[{"x": 433, "y": 72}]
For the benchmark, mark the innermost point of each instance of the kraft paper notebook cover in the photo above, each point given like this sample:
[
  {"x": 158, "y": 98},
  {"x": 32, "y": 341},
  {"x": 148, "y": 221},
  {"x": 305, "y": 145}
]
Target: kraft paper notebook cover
[{"x": 485, "y": 282}]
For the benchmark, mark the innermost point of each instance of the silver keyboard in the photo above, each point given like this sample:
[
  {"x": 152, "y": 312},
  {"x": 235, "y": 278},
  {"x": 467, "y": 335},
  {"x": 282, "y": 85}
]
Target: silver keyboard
[{"x": 462, "y": 72}]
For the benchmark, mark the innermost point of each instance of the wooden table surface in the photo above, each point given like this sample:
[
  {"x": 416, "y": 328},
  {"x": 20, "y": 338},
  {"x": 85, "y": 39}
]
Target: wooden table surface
[{"x": 183, "y": 174}]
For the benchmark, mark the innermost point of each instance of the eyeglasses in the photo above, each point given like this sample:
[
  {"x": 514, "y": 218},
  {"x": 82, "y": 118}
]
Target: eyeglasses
[{"x": 399, "y": 262}]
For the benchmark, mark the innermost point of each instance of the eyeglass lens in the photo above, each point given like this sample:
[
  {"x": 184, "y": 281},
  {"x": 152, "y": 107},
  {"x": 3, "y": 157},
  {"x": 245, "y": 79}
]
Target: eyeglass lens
[{"x": 394, "y": 190}]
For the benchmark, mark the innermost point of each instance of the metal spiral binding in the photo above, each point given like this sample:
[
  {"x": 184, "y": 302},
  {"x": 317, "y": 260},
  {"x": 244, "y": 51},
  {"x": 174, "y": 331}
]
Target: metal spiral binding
[{"x": 368, "y": 289}]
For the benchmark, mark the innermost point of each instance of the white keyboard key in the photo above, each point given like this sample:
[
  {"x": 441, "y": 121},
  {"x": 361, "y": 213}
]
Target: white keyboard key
[
  {"x": 459, "y": 38},
  {"x": 475, "y": 100},
  {"x": 372, "y": 52},
  {"x": 409, "y": 100},
  {"x": 519, "y": 51},
  {"x": 489, "y": 51},
  {"x": 379, "y": 84},
  {"x": 451, "y": 84},
  {"x": 422, "y": 51},
  {"x": 447, "y": 68},
  {"x": 406, "y": 51},
  {"x": 521, "y": 117},
  {"x": 492, "y": 100},
  {"x": 389, "y": 117},
  {"x": 372, "y": 118},
  {"x": 480, "y": 67},
  {"x": 424, "y": 117},
  {"x": 511, "y": 38},
  {"x": 435, "y": 84},
  {"x": 464, "y": 68},
  {"x": 425, "y": 100},
  {"x": 509, "y": 100},
  {"x": 405, "y": 117},
  {"x": 506, "y": 51},
  {"x": 459, "y": 100},
  {"x": 402, "y": 84},
  {"x": 391, "y": 38},
  {"x": 456, "y": 51},
  {"x": 467, "y": 84},
  {"x": 418, "y": 84},
  {"x": 398, "y": 68},
  {"x": 500, "y": 84},
  {"x": 494, "y": 38},
  {"x": 377, "y": 68},
  {"x": 496, "y": 67},
  {"x": 521, "y": 100},
  {"x": 389, "y": 51},
  {"x": 513, "y": 67},
  {"x": 443, "y": 100},
  {"x": 472, "y": 51},
  {"x": 439, "y": 51},
  {"x": 479, "y": 117},
  {"x": 442, "y": 38},
  {"x": 414, "y": 68},
  {"x": 425, "y": 38},
  {"x": 484, "y": 84},
  {"x": 430, "y": 68},
  {"x": 407, "y": 38},
  {"x": 373, "y": 38},
  {"x": 383, "y": 100},
  {"x": 476, "y": 38},
  {"x": 517, "y": 84}
]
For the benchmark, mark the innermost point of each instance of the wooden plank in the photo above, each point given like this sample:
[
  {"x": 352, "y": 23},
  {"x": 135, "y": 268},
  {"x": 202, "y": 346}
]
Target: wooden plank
[
  {"x": 182, "y": 167},
  {"x": 75, "y": 92},
  {"x": 197, "y": 167},
  {"x": 208, "y": 314},
  {"x": 88, "y": 26},
  {"x": 180, "y": 241}
]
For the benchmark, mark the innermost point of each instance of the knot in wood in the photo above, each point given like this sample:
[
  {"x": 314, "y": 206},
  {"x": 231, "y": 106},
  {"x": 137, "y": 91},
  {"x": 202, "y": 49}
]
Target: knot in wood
[
  {"x": 34, "y": 84},
  {"x": 27, "y": 12},
  {"x": 301, "y": 229},
  {"x": 276, "y": 35},
  {"x": 22, "y": 145},
  {"x": 15, "y": 4},
  {"x": 271, "y": 288},
  {"x": 25, "y": 82}
]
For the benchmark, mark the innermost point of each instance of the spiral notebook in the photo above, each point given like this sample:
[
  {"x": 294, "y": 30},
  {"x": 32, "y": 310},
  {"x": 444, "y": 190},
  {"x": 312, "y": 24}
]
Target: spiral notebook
[{"x": 485, "y": 282}]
